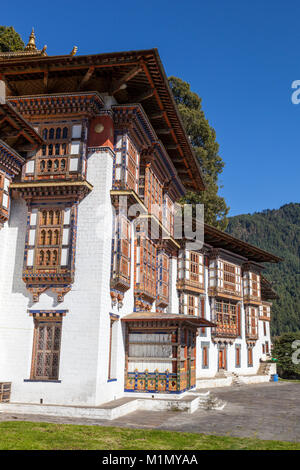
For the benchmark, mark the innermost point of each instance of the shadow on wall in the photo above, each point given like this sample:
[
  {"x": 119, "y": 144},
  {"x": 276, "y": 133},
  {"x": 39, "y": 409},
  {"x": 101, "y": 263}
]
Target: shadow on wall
[{"x": 18, "y": 221}]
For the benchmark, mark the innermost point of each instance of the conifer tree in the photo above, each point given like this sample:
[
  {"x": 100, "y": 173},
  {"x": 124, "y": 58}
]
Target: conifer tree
[{"x": 10, "y": 40}]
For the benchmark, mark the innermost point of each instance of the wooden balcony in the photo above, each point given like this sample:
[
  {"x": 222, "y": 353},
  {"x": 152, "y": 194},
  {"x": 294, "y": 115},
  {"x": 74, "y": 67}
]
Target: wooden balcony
[
  {"x": 252, "y": 299},
  {"x": 223, "y": 292},
  {"x": 225, "y": 331},
  {"x": 252, "y": 334},
  {"x": 55, "y": 167},
  {"x": 186, "y": 284}
]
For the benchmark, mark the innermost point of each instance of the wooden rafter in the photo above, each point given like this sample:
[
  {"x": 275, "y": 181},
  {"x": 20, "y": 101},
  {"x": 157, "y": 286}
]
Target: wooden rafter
[
  {"x": 86, "y": 77},
  {"x": 145, "y": 95},
  {"x": 116, "y": 86}
]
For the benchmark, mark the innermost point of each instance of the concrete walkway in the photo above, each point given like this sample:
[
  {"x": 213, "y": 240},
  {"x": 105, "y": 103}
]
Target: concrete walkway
[{"x": 265, "y": 411}]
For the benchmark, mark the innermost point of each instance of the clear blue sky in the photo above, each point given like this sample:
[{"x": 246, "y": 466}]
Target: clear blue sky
[{"x": 240, "y": 56}]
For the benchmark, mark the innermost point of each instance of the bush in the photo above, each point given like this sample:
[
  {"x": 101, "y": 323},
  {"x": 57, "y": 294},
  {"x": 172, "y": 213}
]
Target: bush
[{"x": 283, "y": 352}]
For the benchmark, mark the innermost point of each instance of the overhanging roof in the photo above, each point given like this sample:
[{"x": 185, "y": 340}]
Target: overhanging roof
[
  {"x": 15, "y": 130},
  {"x": 219, "y": 239},
  {"x": 267, "y": 291},
  {"x": 171, "y": 318},
  {"x": 133, "y": 77}
]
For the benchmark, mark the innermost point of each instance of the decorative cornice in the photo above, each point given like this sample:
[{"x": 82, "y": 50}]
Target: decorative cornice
[
  {"x": 10, "y": 160},
  {"x": 74, "y": 190},
  {"x": 59, "y": 104}
]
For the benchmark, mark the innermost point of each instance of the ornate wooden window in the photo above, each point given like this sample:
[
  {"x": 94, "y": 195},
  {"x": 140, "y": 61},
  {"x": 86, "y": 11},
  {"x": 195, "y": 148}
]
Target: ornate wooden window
[
  {"x": 192, "y": 305},
  {"x": 205, "y": 355},
  {"x": 168, "y": 214},
  {"x": 145, "y": 274},
  {"x": 237, "y": 356},
  {"x": 132, "y": 174},
  {"x": 162, "y": 280},
  {"x": 227, "y": 318},
  {"x": 4, "y": 192},
  {"x": 265, "y": 329},
  {"x": 252, "y": 322},
  {"x": 250, "y": 357},
  {"x": 60, "y": 155},
  {"x": 153, "y": 193},
  {"x": 126, "y": 164},
  {"x": 46, "y": 349},
  {"x": 48, "y": 248},
  {"x": 112, "y": 358},
  {"x": 121, "y": 254},
  {"x": 225, "y": 277},
  {"x": 251, "y": 284},
  {"x": 191, "y": 270}
]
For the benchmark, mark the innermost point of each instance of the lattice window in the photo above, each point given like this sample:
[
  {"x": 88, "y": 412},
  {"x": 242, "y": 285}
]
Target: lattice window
[
  {"x": 122, "y": 249},
  {"x": 59, "y": 156},
  {"x": 237, "y": 356},
  {"x": 163, "y": 278},
  {"x": 168, "y": 215},
  {"x": 250, "y": 357},
  {"x": 132, "y": 174},
  {"x": 153, "y": 194},
  {"x": 225, "y": 276},
  {"x": 205, "y": 350},
  {"x": 46, "y": 350},
  {"x": 192, "y": 305},
  {"x": 226, "y": 313},
  {"x": 145, "y": 278},
  {"x": 49, "y": 241},
  {"x": 191, "y": 268},
  {"x": 251, "y": 283},
  {"x": 251, "y": 322},
  {"x": 4, "y": 191}
]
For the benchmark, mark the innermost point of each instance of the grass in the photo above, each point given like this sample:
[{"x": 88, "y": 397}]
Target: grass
[
  {"x": 288, "y": 380},
  {"x": 20, "y": 435}
]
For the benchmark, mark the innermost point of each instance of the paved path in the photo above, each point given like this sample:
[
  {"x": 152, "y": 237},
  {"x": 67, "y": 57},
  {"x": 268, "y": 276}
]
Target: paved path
[{"x": 266, "y": 411}]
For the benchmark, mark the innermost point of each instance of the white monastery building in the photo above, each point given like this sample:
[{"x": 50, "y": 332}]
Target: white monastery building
[{"x": 93, "y": 157}]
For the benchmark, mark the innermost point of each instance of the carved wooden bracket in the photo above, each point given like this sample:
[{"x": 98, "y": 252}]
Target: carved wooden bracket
[{"x": 61, "y": 292}]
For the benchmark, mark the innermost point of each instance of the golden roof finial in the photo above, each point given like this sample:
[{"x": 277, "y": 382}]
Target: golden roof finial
[
  {"x": 74, "y": 50},
  {"x": 31, "y": 43}
]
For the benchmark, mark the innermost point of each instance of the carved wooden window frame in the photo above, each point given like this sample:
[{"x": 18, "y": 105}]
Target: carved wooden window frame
[
  {"x": 49, "y": 228},
  {"x": 48, "y": 353}
]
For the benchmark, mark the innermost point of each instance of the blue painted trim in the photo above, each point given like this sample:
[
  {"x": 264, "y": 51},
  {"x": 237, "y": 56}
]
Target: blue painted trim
[{"x": 45, "y": 381}]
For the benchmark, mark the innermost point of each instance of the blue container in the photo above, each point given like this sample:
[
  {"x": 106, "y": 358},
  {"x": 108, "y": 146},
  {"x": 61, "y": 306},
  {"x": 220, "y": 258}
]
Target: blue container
[{"x": 274, "y": 377}]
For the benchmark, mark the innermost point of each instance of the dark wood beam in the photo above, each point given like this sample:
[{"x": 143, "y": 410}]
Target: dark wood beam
[
  {"x": 163, "y": 131},
  {"x": 116, "y": 86},
  {"x": 144, "y": 96},
  {"x": 45, "y": 80},
  {"x": 156, "y": 115},
  {"x": 172, "y": 147},
  {"x": 86, "y": 77}
]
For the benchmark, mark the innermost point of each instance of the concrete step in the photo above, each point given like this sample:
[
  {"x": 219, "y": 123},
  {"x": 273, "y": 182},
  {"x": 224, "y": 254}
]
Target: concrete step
[
  {"x": 189, "y": 403},
  {"x": 211, "y": 402}
]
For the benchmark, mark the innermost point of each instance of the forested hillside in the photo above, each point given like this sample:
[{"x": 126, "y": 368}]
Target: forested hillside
[{"x": 277, "y": 231}]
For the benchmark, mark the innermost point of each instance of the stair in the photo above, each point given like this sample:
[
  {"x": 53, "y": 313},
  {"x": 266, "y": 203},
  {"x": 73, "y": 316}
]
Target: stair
[
  {"x": 237, "y": 380},
  {"x": 211, "y": 402},
  {"x": 264, "y": 368}
]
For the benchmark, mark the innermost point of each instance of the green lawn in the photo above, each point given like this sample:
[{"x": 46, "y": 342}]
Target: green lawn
[{"x": 20, "y": 435}]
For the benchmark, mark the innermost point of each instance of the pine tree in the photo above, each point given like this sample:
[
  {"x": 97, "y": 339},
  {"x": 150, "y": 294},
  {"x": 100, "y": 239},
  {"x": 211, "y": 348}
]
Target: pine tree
[
  {"x": 203, "y": 139},
  {"x": 10, "y": 40}
]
